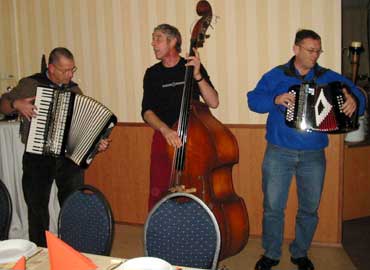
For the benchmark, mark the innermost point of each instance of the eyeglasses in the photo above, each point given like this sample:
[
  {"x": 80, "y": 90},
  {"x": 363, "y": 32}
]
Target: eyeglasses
[
  {"x": 312, "y": 51},
  {"x": 65, "y": 71}
]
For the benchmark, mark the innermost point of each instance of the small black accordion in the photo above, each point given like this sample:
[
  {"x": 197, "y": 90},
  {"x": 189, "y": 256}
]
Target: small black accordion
[
  {"x": 319, "y": 108},
  {"x": 68, "y": 124}
]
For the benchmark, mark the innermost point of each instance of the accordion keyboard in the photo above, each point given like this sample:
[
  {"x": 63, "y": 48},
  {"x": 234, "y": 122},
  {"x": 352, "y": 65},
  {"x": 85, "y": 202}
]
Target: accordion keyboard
[{"x": 38, "y": 127}]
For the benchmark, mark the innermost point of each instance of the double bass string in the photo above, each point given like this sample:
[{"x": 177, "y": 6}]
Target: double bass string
[{"x": 179, "y": 160}]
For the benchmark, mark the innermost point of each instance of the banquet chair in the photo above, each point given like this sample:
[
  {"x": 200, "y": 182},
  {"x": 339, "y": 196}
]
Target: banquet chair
[
  {"x": 5, "y": 210},
  {"x": 85, "y": 221},
  {"x": 182, "y": 230}
]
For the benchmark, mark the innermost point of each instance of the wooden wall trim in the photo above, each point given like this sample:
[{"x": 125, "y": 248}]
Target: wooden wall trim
[
  {"x": 139, "y": 124},
  {"x": 122, "y": 173},
  {"x": 356, "y": 199}
]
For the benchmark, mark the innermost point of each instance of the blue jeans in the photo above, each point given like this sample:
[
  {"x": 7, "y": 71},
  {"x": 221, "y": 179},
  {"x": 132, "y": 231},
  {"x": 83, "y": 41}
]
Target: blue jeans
[{"x": 279, "y": 165}]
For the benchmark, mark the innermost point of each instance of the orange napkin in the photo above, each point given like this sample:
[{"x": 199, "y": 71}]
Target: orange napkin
[
  {"x": 63, "y": 256},
  {"x": 21, "y": 264}
]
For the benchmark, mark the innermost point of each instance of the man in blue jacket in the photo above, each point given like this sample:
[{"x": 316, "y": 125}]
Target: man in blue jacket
[{"x": 293, "y": 152}]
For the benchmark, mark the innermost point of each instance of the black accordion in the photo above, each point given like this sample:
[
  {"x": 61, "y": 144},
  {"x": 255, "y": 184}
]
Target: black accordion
[
  {"x": 68, "y": 124},
  {"x": 319, "y": 108}
]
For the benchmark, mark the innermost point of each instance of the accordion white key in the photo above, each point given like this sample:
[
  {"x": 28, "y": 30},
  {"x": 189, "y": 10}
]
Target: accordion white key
[
  {"x": 319, "y": 108},
  {"x": 68, "y": 124}
]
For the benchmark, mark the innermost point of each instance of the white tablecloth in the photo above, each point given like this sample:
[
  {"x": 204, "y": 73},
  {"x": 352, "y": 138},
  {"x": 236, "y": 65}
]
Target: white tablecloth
[
  {"x": 41, "y": 262},
  {"x": 11, "y": 152}
]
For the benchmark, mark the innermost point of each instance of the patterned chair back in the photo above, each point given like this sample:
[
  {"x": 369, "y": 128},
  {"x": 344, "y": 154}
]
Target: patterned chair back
[
  {"x": 5, "y": 210},
  {"x": 182, "y": 230},
  {"x": 85, "y": 221}
]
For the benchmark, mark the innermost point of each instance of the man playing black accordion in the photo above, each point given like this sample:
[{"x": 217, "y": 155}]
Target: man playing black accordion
[
  {"x": 291, "y": 151},
  {"x": 39, "y": 171}
]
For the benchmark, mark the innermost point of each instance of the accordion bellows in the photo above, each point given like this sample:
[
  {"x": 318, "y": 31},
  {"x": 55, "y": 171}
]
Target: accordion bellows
[
  {"x": 68, "y": 124},
  {"x": 319, "y": 108}
]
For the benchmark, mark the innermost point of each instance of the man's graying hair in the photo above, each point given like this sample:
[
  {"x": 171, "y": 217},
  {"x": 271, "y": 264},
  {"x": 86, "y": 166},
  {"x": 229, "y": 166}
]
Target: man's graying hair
[
  {"x": 56, "y": 53},
  {"x": 305, "y": 33},
  {"x": 170, "y": 31}
]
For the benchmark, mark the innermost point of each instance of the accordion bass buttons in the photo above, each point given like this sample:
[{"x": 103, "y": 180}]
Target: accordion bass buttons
[
  {"x": 340, "y": 103},
  {"x": 290, "y": 110}
]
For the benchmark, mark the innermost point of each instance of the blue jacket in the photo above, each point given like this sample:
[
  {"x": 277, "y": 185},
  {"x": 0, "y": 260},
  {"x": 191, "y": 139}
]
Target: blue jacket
[{"x": 277, "y": 81}]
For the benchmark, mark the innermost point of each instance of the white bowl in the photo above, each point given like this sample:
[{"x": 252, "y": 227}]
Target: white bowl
[
  {"x": 13, "y": 249},
  {"x": 145, "y": 263}
]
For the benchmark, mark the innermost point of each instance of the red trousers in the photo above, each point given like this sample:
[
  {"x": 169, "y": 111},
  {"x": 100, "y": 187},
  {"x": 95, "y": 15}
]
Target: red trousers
[{"x": 160, "y": 169}]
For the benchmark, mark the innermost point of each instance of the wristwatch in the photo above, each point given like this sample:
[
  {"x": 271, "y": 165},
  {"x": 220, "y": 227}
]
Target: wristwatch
[{"x": 201, "y": 78}]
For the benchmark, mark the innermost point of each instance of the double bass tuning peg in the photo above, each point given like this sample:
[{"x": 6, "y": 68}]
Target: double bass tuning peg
[{"x": 203, "y": 36}]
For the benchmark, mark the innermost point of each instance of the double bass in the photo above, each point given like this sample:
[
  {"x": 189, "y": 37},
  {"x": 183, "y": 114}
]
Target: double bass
[{"x": 203, "y": 164}]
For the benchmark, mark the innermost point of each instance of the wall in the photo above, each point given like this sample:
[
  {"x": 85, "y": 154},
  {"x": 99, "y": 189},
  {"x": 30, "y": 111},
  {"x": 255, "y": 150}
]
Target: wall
[
  {"x": 111, "y": 42},
  {"x": 8, "y": 51}
]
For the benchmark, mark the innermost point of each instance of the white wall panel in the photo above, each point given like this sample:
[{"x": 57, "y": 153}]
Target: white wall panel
[{"x": 111, "y": 42}]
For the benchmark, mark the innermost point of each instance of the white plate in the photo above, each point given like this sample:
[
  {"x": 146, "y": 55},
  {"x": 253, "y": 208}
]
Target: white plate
[
  {"x": 145, "y": 263},
  {"x": 12, "y": 250}
]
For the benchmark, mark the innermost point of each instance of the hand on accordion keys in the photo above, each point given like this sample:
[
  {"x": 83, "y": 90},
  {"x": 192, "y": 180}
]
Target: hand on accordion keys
[
  {"x": 103, "y": 145},
  {"x": 350, "y": 104},
  {"x": 24, "y": 107},
  {"x": 284, "y": 99}
]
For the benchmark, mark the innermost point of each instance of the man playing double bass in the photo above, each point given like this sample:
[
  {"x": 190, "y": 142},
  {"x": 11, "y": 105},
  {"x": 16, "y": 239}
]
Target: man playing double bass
[{"x": 163, "y": 88}]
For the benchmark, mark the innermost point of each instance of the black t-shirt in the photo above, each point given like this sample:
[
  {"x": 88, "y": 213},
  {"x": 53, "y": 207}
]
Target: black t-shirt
[{"x": 163, "y": 88}]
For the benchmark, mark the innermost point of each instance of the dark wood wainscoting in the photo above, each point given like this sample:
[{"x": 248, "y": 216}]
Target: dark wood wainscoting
[{"x": 122, "y": 173}]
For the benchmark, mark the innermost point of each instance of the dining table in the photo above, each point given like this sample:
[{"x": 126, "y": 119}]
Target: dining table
[{"x": 40, "y": 261}]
